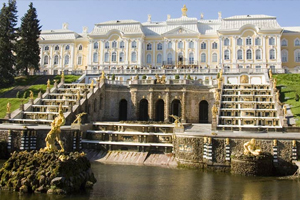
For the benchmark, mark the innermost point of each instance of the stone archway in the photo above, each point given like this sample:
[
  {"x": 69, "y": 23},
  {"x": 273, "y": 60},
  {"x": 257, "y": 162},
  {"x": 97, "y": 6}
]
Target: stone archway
[
  {"x": 159, "y": 110},
  {"x": 143, "y": 110},
  {"x": 203, "y": 112},
  {"x": 175, "y": 109},
  {"x": 123, "y": 110}
]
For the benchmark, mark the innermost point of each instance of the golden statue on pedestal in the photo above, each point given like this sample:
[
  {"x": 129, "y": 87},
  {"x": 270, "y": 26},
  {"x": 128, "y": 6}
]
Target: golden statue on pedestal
[
  {"x": 284, "y": 111},
  {"x": 31, "y": 94},
  {"x": 214, "y": 111},
  {"x": 244, "y": 79},
  {"x": 250, "y": 148},
  {"x": 54, "y": 133},
  {"x": 270, "y": 74},
  {"x": 274, "y": 83},
  {"x": 176, "y": 118},
  {"x": 8, "y": 107},
  {"x": 48, "y": 83},
  {"x": 184, "y": 10},
  {"x": 102, "y": 75},
  {"x": 78, "y": 118}
]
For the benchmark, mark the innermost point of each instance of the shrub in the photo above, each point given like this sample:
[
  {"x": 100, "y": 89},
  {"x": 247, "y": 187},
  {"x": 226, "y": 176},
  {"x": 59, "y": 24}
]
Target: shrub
[
  {"x": 176, "y": 76},
  {"x": 113, "y": 77},
  {"x": 189, "y": 77},
  {"x": 144, "y": 77},
  {"x": 297, "y": 97},
  {"x": 25, "y": 95},
  {"x": 18, "y": 95}
]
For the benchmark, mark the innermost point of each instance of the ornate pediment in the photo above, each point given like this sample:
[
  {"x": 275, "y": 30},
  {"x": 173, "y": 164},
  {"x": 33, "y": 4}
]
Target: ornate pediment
[{"x": 180, "y": 31}]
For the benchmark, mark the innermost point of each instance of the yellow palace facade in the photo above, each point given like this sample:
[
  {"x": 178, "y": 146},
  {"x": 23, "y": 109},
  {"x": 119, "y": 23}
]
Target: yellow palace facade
[{"x": 245, "y": 41}]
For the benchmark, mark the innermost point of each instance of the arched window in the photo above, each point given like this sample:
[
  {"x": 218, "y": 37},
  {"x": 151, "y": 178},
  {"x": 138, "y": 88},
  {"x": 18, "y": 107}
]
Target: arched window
[
  {"x": 249, "y": 54},
  {"x": 226, "y": 42},
  {"x": 114, "y": 44},
  {"x": 284, "y": 56},
  {"x": 159, "y": 46},
  {"x": 170, "y": 45},
  {"x": 297, "y": 55},
  {"x": 191, "y": 59},
  {"x": 180, "y": 45},
  {"x": 214, "y": 57},
  {"x": 297, "y": 42},
  {"x": 95, "y": 57},
  {"x": 248, "y": 41},
  {"x": 169, "y": 58},
  {"x": 133, "y": 57},
  {"x": 203, "y": 45},
  {"x": 148, "y": 59},
  {"x": 133, "y": 44},
  {"x": 258, "y": 54},
  {"x": 240, "y": 54},
  {"x": 239, "y": 41},
  {"x": 121, "y": 57},
  {"x": 45, "y": 60},
  {"x": 79, "y": 60},
  {"x": 106, "y": 45},
  {"x": 203, "y": 57},
  {"x": 66, "y": 59},
  {"x": 80, "y": 47},
  {"x": 226, "y": 54},
  {"x": 214, "y": 45},
  {"x": 55, "y": 59},
  {"x": 46, "y": 48},
  {"x": 271, "y": 41},
  {"x": 191, "y": 45},
  {"x": 67, "y": 47},
  {"x": 96, "y": 45},
  {"x": 272, "y": 54},
  {"x": 56, "y": 48},
  {"x": 158, "y": 59},
  {"x": 257, "y": 41},
  {"x": 106, "y": 57},
  {"x": 284, "y": 43},
  {"x": 149, "y": 46},
  {"x": 121, "y": 44},
  {"x": 114, "y": 57}
]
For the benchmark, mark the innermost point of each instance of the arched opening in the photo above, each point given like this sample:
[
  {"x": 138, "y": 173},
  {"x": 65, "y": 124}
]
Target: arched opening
[
  {"x": 175, "y": 109},
  {"x": 143, "y": 112},
  {"x": 180, "y": 58},
  {"x": 203, "y": 112},
  {"x": 159, "y": 110},
  {"x": 123, "y": 110}
]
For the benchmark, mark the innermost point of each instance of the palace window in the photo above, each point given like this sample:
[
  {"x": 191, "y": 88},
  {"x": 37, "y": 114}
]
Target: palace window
[
  {"x": 121, "y": 57},
  {"x": 272, "y": 54},
  {"x": 159, "y": 46},
  {"x": 191, "y": 58},
  {"x": 95, "y": 57},
  {"x": 158, "y": 59},
  {"x": 297, "y": 55},
  {"x": 46, "y": 48},
  {"x": 214, "y": 57},
  {"x": 133, "y": 57},
  {"x": 249, "y": 54},
  {"x": 96, "y": 46},
  {"x": 106, "y": 57},
  {"x": 284, "y": 56},
  {"x": 114, "y": 57},
  {"x": 191, "y": 44},
  {"x": 258, "y": 54},
  {"x": 203, "y": 57},
  {"x": 297, "y": 42},
  {"x": 257, "y": 41},
  {"x": 226, "y": 42},
  {"x": 284, "y": 43},
  {"x": 67, "y": 59},
  {"x": 67, "y": 47},
  {"x": 106, "y": 45},
  {"x": 170, "y": 45},
  {"x": 148, "y": 59},
  {"x": 79, "y": 60},
  {"x": 56, "y": 48},
  {"x": 149, "y": 46},
  {"x": 180, "y": 45},
  {"x": 239, "y": 41},
  {"x": 240, "y": 54},
  {"x": 203, "y": 45},
  {"x": 271, "y": 41},
  {"x": 226, "y": 55},
  {"x": 80, "y": 47},
  {"x": 214, "y": 45},
  {"x": 122, "y": 45},
  {"x": 55, "y": 59},
  {"x": 169, "y": 58},
  {"x": 133, "y": 44},
  {"x": 248, "y": 41},
  {"x": 114, "y": 44},
  {"x": 46, "y": 60}
]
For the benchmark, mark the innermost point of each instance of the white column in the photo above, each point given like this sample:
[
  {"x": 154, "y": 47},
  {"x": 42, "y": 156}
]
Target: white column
[
  {"x": 72, "y": 59},
  {"x": 140, "y": 53},
  {"x": 234, "y": 52},
  {"x": 153, "y": 55},
  {"x": 165, "y": 51},
  {"x": 264, "y": 48},
  {"x": 51, "y": 57},
  {"x": 101, "y": 52},
  {"x": 220, "y": 51},
  {"x": 128, "y": 53},
  {"x": 174, "y": 45},
  {"x": 186, "y": 52},
  {"x": 278, "y": 49},
  {"x": 90, "y": 52},
  {"x": 61, "y": 57},
  {"x": 42, "y": 56},
  {"x": 196, "y": 51},
  {"x": 208, "y": 52}
]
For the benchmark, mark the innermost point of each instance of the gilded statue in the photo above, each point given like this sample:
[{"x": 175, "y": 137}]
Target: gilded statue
[
  {"x": 63, "y": 75},
  {"x": 48, "y": 83},
  {"x": 284, "y": 111},
  {"x": 92, "y": 84},
  {"x": 31, "y": 94},
  {"x": 8, "y": 107},
  {"x": 221, "y": 73},
  {"x": 270, "y": 74},
  {"x": 54, "y": 133},
  {"x": 161, "y": 80},
  {"x": 219, "y": 83},
  {"x": 227, "y": 141},
  {"x": 274, "y": 83},
  {"x": 294, "y": 143},
  {"x": 78, "y": 95},
  {"x": 277, "y": 96},
  {"x": 214, "y": 111},
  {"x": 78, "y": 118},
  {"x": 217, "y": 95},
  {"x": 176, "y": 118},
  {"x": 184, "y": 10},
  {"x": 244, "y": 79},
  {"x": 275, "y": 143},
  {"x": 103, "y": 75},
  {"x": 250, "y": 148}
]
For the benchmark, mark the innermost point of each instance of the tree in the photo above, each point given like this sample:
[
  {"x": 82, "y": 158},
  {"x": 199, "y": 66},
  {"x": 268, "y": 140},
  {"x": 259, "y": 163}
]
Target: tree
[
  {"x": 28, "y": 50},
  {"x": 8, "y": 38}
]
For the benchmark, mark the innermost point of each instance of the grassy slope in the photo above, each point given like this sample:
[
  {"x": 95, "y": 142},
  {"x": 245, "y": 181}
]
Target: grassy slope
[
  {"x": 289, "y": 85},
  {"x": 15, "y": 102}
]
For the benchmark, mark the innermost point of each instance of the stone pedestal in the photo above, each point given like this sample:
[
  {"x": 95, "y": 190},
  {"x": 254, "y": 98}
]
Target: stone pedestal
[
  {"x": 285, "y": 124},
  {"x": 214, "y": 124},
  {"x": 178, "y": 130},
  {"x": 31, "y": 101},
  {"x": 7, "y": 116}
]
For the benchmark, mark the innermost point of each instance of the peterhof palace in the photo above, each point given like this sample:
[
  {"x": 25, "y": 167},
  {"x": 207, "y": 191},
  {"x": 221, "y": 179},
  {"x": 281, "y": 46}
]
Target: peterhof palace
[{"x": 244, "y": 41}]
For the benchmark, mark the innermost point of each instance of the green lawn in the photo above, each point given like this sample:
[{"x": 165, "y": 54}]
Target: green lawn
[
  {"x": 15, "y": 104},
  {"x": 289, "y": 85}
]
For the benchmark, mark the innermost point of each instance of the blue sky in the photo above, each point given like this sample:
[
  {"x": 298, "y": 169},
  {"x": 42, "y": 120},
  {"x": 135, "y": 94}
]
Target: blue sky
[{"x": 79, "y": 13}]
